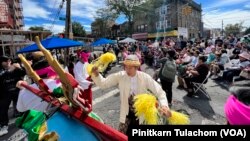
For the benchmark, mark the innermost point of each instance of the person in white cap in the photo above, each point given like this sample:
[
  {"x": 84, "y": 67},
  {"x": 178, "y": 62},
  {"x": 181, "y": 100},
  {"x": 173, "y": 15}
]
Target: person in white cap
[
  {"x": 131, "y": 82},
  {"x": 236, "y": 68}
]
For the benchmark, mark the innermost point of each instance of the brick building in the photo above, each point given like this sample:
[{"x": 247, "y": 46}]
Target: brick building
[
  {"x": 167, "y": 18},
  {"x": 11, "y": 16}
]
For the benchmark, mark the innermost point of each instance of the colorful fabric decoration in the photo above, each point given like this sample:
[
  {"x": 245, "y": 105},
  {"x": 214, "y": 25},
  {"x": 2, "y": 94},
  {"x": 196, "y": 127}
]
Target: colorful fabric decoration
[
  {"x": 84, "y": 56},
  {"x": 33, "y": 123},
  {"x": 95, "y": 116},
  {"x": 58, "y": 92},
  {"x": 236, "y": 112},
  {"x": 48, "y": 70}
]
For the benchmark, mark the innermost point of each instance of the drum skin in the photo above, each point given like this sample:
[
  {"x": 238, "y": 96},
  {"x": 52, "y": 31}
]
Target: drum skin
[{"x": 69, "y": 129}]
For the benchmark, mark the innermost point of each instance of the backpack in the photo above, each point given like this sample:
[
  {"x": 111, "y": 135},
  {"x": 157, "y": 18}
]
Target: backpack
[{"x": 169, "y": 70}]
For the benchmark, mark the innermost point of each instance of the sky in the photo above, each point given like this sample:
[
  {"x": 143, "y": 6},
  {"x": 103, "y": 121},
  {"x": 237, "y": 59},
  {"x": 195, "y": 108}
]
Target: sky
[{"x": 45, "y": 13}]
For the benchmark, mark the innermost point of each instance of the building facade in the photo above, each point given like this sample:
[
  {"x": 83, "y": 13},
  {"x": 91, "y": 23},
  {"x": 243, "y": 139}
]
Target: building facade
[
  {"x": 179, "y": 18},
  {"x": 13, "y": 40},
  {"x": 101, "y": 28},
  {"x": 11, "y": 14}
]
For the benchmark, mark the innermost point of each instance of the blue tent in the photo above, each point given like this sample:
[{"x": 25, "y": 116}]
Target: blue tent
[
  {"x": 102, "y": 41},
  {"x": 52, "y": 43}
]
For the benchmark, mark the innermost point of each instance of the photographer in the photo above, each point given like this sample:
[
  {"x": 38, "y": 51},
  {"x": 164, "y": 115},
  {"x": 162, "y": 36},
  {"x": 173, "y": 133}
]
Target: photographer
[{"x": 9, "y": 76}]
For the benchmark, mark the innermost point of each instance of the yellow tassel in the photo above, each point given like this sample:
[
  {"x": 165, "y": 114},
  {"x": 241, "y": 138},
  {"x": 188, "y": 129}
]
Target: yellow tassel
[
  {"x": 89, "y": 68},
  {"x": 178, "y": 118},
  {"x": 102, "y": 62},
  {"x": 107, "y": 58},
  {"x": 145, "y": 108}
]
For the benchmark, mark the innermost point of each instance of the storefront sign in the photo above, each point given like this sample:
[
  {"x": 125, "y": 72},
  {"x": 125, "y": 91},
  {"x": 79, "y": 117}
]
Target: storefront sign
[
  {"x": 172, "y": 33},
  {"x": 140, "y": 36}
]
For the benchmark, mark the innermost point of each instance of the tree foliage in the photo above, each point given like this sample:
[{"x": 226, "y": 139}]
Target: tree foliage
[
  {"x": 37, "y": 28},
  {"x": 126, "y": 7},
  {"x": 98, "y": 27},
  {"x": 234, "y": 28},
  {"x": 78, "y": 30},
  {"x": 105, "y": 17},
  {"x": 247, "y": 31}
]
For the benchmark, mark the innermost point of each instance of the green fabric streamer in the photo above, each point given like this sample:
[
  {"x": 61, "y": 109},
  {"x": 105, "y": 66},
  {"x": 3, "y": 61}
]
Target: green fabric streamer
[
  {"x": 95, "y": 116},
  {"x": 31, "y": 122},
  {"x": 58, "y": 92}
]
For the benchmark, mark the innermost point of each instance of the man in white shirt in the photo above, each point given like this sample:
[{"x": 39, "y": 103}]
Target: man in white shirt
[
  {"x": 131, "y": 82},
  {"x": 80, "y": 70}
]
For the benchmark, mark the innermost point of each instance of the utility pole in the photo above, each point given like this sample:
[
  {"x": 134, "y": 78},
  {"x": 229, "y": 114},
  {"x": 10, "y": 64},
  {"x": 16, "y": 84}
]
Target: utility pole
[
  {"x": 68, "y": 30},
  {"x": 222, "y": 31},
  {"x": 68, "y": 24}
]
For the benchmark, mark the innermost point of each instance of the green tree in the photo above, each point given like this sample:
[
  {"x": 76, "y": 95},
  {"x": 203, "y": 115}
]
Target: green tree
[
  {"x": 247, "y": 31},
  {"x": 234, "y": 28},
  {"x": 105, "y": 19},
  {"x": 97, "y": 27},
  {"x": 126, "y": 7},
  {"x": 37, "y": 28},
  {"x": 78, "y": 30}
]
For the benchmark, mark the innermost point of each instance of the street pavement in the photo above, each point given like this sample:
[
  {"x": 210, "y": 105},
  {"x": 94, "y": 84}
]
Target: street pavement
[{"x": 202, "y": 111}]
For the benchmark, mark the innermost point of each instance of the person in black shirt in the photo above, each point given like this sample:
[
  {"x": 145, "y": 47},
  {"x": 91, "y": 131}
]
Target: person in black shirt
[
  {"x": 198, "y": 75},
  {"x": 218, "y": 41},
  {"x": 9, "y": 76}
]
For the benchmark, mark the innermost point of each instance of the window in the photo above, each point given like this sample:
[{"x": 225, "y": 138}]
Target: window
[
  {"x": 142, "y": 28},
  {"x": 3, "y": 18},
  {"x": 146, "y": 27},
  {"x": 163, "y": 10}
]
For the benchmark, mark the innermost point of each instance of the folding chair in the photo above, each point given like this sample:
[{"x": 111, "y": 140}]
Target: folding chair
[{"x": 200, "y": 86}]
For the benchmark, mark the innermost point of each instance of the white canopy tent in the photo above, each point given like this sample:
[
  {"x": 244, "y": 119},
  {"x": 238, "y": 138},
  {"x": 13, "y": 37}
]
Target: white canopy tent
[{"x": 128, "y": 40}]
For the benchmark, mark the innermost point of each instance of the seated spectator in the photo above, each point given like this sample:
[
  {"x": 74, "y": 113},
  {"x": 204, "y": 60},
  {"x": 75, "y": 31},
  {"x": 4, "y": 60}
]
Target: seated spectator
[
  {"x": 236, "y": 52},
  {"x": 218, "y": 66},
  {"x": 198, "y": 75},
  {"x": 211, "y": 57},
  {"x": 229, "y": 49},
  {"x": 195, "y": 56},
  {"x": 185, "y": 59},
  {"x": 209, "y": 48},
  {"x": 236, "y": 68}
]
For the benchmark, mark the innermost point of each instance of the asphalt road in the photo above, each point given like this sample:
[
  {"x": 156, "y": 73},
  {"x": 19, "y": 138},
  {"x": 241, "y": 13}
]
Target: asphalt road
[{"x": 201, "y": 110}]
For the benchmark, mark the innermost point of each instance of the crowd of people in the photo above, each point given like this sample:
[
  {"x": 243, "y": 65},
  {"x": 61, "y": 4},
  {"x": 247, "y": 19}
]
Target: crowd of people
[{"x": 226, "y": 60}]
